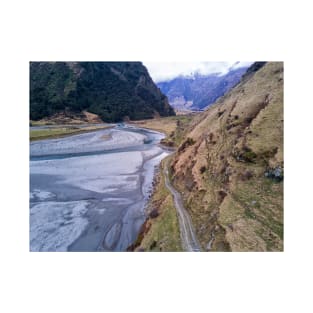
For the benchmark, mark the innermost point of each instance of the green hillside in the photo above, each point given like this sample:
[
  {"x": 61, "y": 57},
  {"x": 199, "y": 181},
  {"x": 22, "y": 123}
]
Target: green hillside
[{"x": 112, "y": 90}]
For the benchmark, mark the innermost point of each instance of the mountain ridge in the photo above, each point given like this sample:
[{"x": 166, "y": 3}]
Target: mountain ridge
[{"x": 199, "y": 91}]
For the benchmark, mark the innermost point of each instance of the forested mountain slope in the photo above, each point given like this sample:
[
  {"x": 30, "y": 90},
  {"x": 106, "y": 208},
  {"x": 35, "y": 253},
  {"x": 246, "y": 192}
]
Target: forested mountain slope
[{"x": 112, "y": 90}]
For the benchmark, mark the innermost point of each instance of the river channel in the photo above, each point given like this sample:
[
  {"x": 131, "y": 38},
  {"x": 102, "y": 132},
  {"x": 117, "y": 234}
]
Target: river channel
[{"x": 88, "y": 192}]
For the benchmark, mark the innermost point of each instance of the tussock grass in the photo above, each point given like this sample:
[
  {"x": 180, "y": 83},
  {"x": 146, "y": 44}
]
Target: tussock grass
[{"x": 234, "y": 143}]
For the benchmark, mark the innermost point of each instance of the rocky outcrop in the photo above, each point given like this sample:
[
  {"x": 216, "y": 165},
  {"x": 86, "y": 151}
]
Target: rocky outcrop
[{"x": 275, "y": 173}]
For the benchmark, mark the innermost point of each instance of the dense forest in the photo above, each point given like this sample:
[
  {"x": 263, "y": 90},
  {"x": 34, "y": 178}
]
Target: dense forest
[{"x": 113, "y": 90}]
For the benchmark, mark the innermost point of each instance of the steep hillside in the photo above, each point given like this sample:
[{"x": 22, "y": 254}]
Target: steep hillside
[
  {"x": 201, "y": 90},
  {"x": 229, "y": 168},
  {"x": 112, "y": 90}
]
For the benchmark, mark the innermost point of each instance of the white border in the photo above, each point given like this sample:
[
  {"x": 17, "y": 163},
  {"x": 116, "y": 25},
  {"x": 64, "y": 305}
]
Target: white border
[{"x": 155, "y": 31}]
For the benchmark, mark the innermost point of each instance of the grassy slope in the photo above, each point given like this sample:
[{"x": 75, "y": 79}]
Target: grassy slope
[
  {"x": 221, "y": 170},
  {"x": 59, "y": 132},
  {"x": 172, "y": 126},
  {"x": 160, "y": 233}
]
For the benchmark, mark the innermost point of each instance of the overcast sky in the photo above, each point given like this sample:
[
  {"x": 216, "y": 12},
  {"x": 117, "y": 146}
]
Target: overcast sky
[{"x": 163, "y": 71}]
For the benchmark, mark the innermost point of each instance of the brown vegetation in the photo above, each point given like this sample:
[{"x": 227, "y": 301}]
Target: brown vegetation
[{"x": 227, "y": 166}]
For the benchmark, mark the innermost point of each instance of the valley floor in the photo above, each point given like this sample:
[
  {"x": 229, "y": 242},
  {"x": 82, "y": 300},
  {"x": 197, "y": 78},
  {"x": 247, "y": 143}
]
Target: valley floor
[
  {"x": 88, "y": 191},
  {"x": 59, "y": 131}
]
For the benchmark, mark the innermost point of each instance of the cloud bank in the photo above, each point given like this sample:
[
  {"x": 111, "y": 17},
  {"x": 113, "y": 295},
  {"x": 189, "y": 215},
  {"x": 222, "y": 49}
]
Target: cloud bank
[{"x": 164, "y": 71}]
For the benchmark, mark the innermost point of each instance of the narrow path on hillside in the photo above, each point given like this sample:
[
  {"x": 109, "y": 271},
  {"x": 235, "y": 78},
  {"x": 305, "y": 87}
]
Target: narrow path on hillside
[{"x": 188, "y": 236}]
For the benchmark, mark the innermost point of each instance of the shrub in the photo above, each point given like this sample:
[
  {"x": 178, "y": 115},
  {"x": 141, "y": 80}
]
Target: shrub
[
  {"x": 153, "y": 245},
  {"x": 220, "y": 113},
  {"x": 246, "y": 175},
  {"x": 202, "y": 169},
  {"x": 248, "y": 155},
  {"x": 222, "y": 194},
  {"x": 154, "y": 213},
  {"x": 248, "y": 120},
  {"x": 167, "y": 142},
  {"x": 188, "y": 142}
]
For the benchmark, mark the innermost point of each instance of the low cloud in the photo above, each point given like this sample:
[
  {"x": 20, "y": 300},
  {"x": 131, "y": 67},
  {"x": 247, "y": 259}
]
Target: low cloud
[{"x": 163, "y": 71}]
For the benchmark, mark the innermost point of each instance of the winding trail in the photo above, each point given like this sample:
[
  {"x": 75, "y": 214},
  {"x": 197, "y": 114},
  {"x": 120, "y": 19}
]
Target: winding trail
[{"x": 187, "y": 233}]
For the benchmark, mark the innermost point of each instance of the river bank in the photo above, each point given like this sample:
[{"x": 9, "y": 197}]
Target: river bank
[
  {"x": 168, "y": 226},
  {"x": 160, "y": 231},
  {"x": 60, "y": 131}
]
